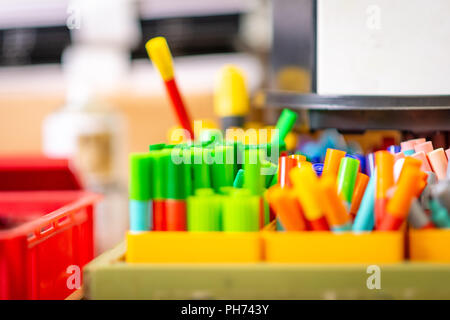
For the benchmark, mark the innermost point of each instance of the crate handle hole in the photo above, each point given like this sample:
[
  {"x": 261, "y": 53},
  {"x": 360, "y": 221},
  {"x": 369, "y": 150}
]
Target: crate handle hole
[{"x": 46, "y": 228}]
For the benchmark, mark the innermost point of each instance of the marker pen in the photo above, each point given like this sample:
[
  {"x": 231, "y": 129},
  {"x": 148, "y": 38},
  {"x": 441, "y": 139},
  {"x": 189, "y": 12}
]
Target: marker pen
[
  {"x": 365, "y": 217},
  {"x": 370, "y": 164},
  {"x": 204, "y": 211},
  {"x": 438, "y": 162},
  {"x": 140, "y": 192},
  {"x": 385, "y": 180},
  {"x": 398, "y": 206},
  {"x": 241, "y": 211},
  {"x": 394, "y": 149},
  {"x": 360, "y": 187},
  {"x": 201, "y": 173},
  {"x": 270, "y": 170},
  {"x": 332, "y": 162},
  {"x": 287, "y": 209},
  {"x": 399, "y": 156},
  {"x": 426, "y": 193},
  {"x": 420, "y": 155},
  {"x": 335, "y": 211},
  {"x": 254, "y": 181},
  {"x": 308, "y": 192},
  {"x": 223, "y": 168},
  {"x": 285, "y": 123},
  {"x": 441, "y": 193},
  {"x": 348, "y": 171},
  {"x": 318, "y": 168},
  {"x": 447, "y": 153},
  {"x": 159, "y": 180},
  {"x": 285, "y": 165},
  {"x": 179, "y": 183},
  {"x": 425, "y": 147},
  {"x": 231, "y": 100}
]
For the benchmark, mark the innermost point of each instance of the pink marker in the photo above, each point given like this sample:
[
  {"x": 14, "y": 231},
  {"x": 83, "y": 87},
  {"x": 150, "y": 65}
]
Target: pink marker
[
  {"x": 425, "y": 147},
  {"x": 438, "y": 162},
  {"x": 398, "y": 156},
  {"x": 407, "y": 145},
  {"x": 447, "y": 152},
  {"x": 422, "y": 157}
]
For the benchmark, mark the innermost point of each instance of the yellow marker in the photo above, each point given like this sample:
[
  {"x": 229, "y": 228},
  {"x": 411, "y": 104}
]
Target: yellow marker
[
  {"x": 231, "y": 100},
  {"x": 306, "y": 187}
]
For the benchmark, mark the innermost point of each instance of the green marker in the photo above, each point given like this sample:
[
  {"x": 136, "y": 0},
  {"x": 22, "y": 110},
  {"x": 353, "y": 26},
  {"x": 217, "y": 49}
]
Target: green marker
[
  {"x": 140, "y": 191},
  {"x": 159, "y": 170},
  {"x": 253, "y": 180},
  {"x": 285, "y": 123},
  {"x": 270, "y": 170},
  {"x": 204, "y": 211},
  {"x": 239, "y": 179},
  {"x": 223, "y": 168},
  {"x": 156, "y": 146},
  {"x": 348, "y": 171},
  {"x": 240, "y": 211},
  {"x": 201, "y": 171},
  {"x": 179, "y": 178}
]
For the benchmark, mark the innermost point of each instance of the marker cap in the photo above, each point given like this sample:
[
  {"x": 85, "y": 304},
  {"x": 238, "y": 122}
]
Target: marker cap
[
  {"x": 398, "y": 206},
  {"x": 438, "y": 162},
  {"x": 420, "y": 155},
  {"x": 241, "y": 211},
  {"x": 335, "y": 211},
  {"x": 159, "y": 52},
  {"x": 204, "y": 211},
  {"x": 253, "y": 180},
  {"x": 287, "y": 208},
  {"x": 348, "y": 171},
  {"x": 332, "y": 162},
  {"x": 230, "y": 93},
  {"x": 384, "y": 161},
  {"x": 285, "y": 123},
  {"x": 201, "y": 172},
  {"x": 140, "y": 176},
  {"x": 285, "y": 165},
  {"x": 362, "y": 181},
  {"x": 223, "y": 168},
  {"x": 239, "y": 179},
  {"x": 425, "y": 147},
  {"x": 179, "y": 180},
  {"x": 306, "y": 188}
]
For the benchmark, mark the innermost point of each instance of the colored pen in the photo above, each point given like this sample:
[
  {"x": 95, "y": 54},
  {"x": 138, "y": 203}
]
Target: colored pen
[
  {"x": 287, "y": 208},
  {"x": 417, "y": 216},
  {"x": 332, "y": 162},
  {"x": 241, "y": 211},
  {"x": 398, "y": 206},
  {"x": 140, "y": 192},
  {"x": 284, "y": 125},
  {"x": 370, "y": 164},
  {"x": 159, "y": 52},
  {"x": 231, "y": 100},
  {"x": 204, "y": 211},
  {"x": 420, "y": 155},
  {"x": 360, "y": 187},
  {"x": 336, "y": 214},
  {"x": 365, "y": 217},
  {"x": 348, "y": 171},
  {"x": 307, "y": 189},
  {"x": 285, "y": 165},
  {"x": 438, "y": 162},
  {"x": 385, "y": 180},
  {"x": 425, "y": 147}
]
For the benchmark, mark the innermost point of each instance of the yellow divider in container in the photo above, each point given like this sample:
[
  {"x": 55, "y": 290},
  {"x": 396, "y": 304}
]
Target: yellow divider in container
[
  {"x": 187, "y": 247},
  {"x": 328, "y": 247},
  {"x": 432, "y": 245}
]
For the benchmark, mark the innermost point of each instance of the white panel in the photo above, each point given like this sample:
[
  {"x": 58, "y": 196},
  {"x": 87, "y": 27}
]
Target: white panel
[{"x": 383, "y": 47}]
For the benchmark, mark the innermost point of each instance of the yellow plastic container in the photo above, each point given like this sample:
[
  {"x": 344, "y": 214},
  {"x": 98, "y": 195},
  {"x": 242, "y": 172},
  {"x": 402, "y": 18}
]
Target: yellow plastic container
[
  {"x": 187, "y": 247},
  {"x": 328, "y": 247},
  {"x": 431, "y": 245}
]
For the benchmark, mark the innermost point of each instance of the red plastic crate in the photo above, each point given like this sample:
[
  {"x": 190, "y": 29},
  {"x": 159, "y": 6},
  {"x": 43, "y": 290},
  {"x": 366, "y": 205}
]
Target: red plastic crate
[
  {"x": 19, "y": 173},
  {"x": 51, "y": 230}
]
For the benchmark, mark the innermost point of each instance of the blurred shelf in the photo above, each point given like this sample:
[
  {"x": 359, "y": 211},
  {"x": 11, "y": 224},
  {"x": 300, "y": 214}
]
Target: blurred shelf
[
  {"x": 109, "y": 277},
  {"x": 409, "y": 113}
]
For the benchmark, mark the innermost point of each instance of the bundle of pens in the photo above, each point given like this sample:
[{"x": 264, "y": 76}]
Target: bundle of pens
[{"x": 404, "y": 183}]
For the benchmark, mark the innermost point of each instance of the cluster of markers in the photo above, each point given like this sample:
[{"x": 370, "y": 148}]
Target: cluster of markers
[
  {"x": 207, "y": 185},
  {"x": 410, "y": 183}
]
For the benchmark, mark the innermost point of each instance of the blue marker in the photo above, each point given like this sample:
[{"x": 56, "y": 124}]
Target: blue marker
[
  {"x": 365, "y": 218},
  {"x": 394, "y": 149},
  {"x": 370, "y": 164},
  {"x": 318, "y": 168},
  {"x": 439, "y": 215}
]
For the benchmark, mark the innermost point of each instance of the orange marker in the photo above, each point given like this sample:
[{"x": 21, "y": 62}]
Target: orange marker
[
  {"x": 335, "y": 211},
  {"x": 287, "y": 208},
  {"x": 438, "y": 162},
  {"x": 360, "y": 187},
  {"x": 285, "y": 164},
  {"x": 308, "y": 192},
  {"x": 332, "y": 161},
  {"x": 384, "y": 162},
  {"x": 398, "y": 206},
  {"x": 298, "y": 157},
  {"x": 420, "y": 155}
]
